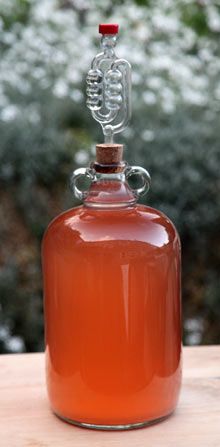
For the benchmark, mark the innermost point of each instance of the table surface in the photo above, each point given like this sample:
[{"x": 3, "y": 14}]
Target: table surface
[{"x": 26, "y": 420}]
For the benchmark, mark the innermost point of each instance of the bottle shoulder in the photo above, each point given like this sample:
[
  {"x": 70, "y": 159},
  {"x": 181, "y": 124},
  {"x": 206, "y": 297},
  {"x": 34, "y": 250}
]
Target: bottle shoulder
[
  {"x": 157, "y": 221},
  {"x": 62, "y": 217},
  {"x": 61, "y": 221},
  {"x": 153, "y": 214},
  {"x": 139, "y": 223}
]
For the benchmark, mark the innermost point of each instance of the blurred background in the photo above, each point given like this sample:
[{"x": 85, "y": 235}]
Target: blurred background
[{"x": 46, "y": 131}]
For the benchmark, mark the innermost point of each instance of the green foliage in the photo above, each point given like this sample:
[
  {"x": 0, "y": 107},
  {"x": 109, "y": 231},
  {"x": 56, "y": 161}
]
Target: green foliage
[
  {"x": 143, "y": 2},
  {"x": 15, "y": 12},
  {"x": 194, "y": 16}
]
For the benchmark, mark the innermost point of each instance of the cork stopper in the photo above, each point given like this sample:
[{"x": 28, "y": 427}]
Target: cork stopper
[{"x": 109, "y": 154}]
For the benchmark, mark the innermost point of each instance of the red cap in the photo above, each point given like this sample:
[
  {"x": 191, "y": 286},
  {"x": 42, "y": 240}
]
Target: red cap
[{"x": 108, "y": 28}]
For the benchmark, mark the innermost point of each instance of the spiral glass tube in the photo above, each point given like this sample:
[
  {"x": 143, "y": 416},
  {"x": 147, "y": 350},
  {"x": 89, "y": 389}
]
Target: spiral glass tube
[{"x": 109, "y": 86}]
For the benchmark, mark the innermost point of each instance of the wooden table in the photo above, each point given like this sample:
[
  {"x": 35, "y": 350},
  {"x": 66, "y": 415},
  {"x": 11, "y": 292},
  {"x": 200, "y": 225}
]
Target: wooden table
[{"x": 26, "y": 420}]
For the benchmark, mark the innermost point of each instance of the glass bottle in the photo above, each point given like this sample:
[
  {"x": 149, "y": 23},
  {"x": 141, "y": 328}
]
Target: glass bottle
[{"x": 111, "y": 273}]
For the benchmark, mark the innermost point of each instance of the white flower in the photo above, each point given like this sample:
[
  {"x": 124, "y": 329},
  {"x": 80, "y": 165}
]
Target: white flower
[
  {"x": 136, "y": 78},
  {"x": 149, "y": 97},
  {"x": 165, "y": 23},
  {"x": 148, "y": 135},
  {"x": 194, "y": 97},
  {"x": 163, "y": 62},
  {"x": 4, "y": 332},
  {"x": 81, "y": 157},
  {"x": 213, "y": 17},
  {"x": 76, "y": 95},
  {"x": 9, "y": 113},
  {"x": 154, "y": 82},
  {"x": 15, "y": 344},
  {"x": 60, "y": 88}
]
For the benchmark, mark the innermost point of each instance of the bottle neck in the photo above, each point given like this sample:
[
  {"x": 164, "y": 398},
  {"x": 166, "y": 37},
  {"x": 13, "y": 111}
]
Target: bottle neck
[
  {"x": 109, "y": 179},
  {"x": 110, "y": 190}
]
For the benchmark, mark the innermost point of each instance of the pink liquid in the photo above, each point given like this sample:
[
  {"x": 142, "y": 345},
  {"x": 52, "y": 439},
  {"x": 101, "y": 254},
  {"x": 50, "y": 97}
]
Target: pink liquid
[{"x": 112, "y": 309}]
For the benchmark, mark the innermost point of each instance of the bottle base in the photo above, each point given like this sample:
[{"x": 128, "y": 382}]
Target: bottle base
[{"x": 113, "y": 427}]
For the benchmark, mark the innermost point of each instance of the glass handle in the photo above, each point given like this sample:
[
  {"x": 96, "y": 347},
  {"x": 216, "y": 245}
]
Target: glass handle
[
  {"x": 143, "y": 178},
  {"x": 78, "y": 175}
]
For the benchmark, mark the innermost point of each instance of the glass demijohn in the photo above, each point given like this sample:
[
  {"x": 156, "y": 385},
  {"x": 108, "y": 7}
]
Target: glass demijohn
[{"x": 111, "y": 271}]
